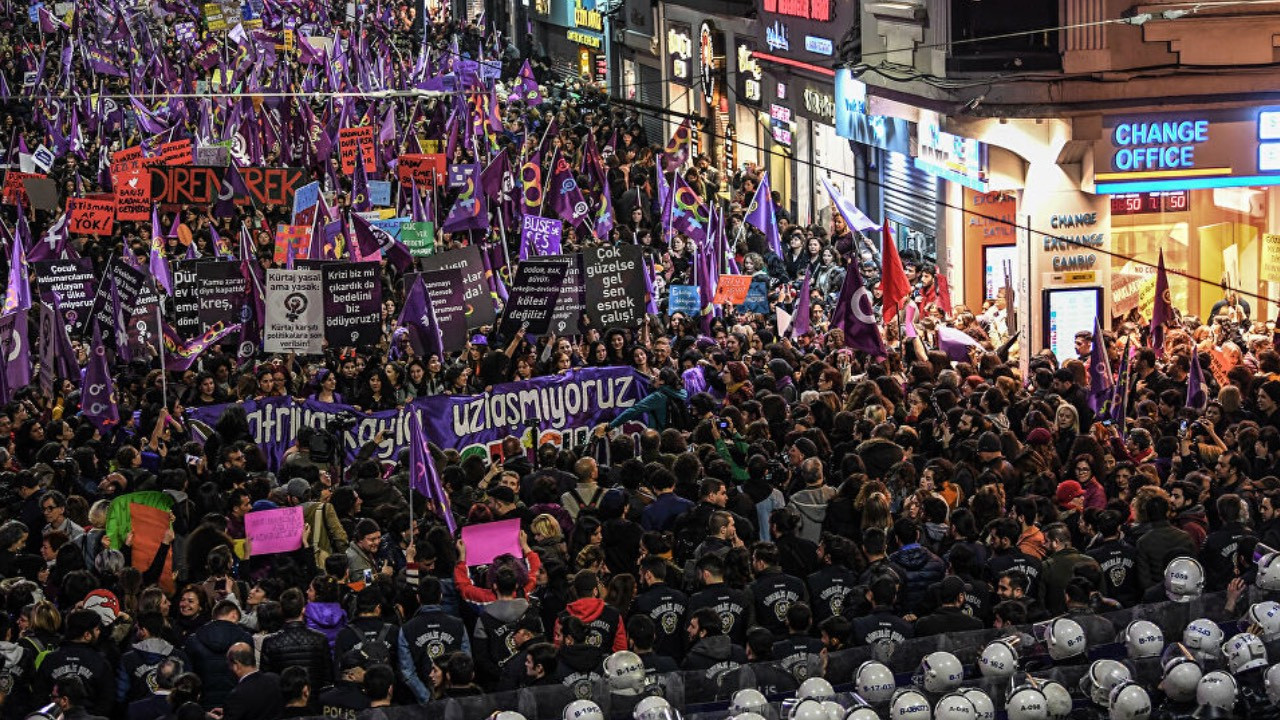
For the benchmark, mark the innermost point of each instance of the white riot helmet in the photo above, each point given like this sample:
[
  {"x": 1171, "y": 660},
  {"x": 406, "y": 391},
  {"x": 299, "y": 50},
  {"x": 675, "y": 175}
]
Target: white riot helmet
[
  {"x": 1102, "y": 676},
  {"x": 1203, "y": 637},
  {"x": 815, "y": 688},
  {"x": 808, "y": 709},
  {"x": 1183, "y": 579},
  {"x": 507, "y": 715},
  {"x": 834, "y": 710},
  {"x": 908, "y": 704},
  {"x": 981, "y": 703},
  {"x": 1064, "y": 638},
  {"x": 1143, "y": 639},
  {"x": 582, "y": 710},
  {"x": 749, "y": 700},
  {"x": 955, "y": 706},
  {"x": 624, "y": 670},
  {"x": 748, "y": 716},
  {"x": 1244, "y": 652},
  {"x": 1181, "y": 674},
  {"x": 1271, "y": 681},
  {"x": 1269, "y": 572},
  {"x": 940, "y": 672},
  {"x": 654, "y": 708},
  {"x": 1129, "y": 701},
  {"x": 861, "y": 712},
  {"x": 999, "y": 659},
  {"x": 1057, "y": 699},
  {"x": 1218, "y": 689},
  {"x": 1027, "y": 703},
  {"x": 874, "y": 682},
  {"x": 1264, "y": 620}
]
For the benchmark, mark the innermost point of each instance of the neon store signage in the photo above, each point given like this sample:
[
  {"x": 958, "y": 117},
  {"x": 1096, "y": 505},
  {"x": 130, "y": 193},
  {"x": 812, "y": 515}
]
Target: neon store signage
[
  {"x": 680, "y": 52},
  {"x": 816, "y": 10},
  {"x": 1168, "y": 145}
]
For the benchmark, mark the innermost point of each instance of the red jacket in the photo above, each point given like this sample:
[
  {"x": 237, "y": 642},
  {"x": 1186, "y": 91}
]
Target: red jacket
[
  {"x": 599, "y": 618},
  {"x": 479, "y": 595}
]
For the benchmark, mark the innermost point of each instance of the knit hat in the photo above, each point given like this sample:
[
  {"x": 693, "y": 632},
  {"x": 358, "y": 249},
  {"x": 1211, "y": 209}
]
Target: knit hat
[
  {"x": 502, "y": 494},
  {"x": 298, "y": 489},
  {"x": 1039, "y": 436},
  {"x": 1068, "y": 490},
  {"x": 989, "y": 442},
  {"x": 737, "y": 371}
]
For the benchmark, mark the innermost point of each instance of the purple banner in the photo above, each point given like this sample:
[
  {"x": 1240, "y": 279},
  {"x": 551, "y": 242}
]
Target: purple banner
[
  {"x": 563, "y": 408},
  {"x": 459, "y": 174},
  {"x": 74, "y": 283}
]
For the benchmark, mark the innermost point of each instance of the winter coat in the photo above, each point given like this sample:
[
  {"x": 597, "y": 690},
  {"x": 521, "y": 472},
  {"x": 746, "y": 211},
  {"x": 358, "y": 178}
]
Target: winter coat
[
  {"x": 1158, "y": 545},
  {"x": 811, "y": 503},
  {"x": 297, "y": 644},
  {"x": 923, "y": 569},
  {"x": 326, "y": 618},
  {"x": 207, "y": 648}
]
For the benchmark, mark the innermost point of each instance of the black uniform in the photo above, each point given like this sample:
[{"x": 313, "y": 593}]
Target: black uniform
[
  {"x": 1119, "y": 570},
  {"x": 368, "y": 633},
  {"x": 579, "y": 668},
  {"x": 774, "y": 593},
  {"x": 799, "y": 655},
  {"x": 84, "y": 662},
  {"x": 1218, "y": 556},
  {"x": 1014, "y": 559},
  {"x": 733, "y": 606},
  {"x": 828, "y": 589},
  {"x": 947, "y": 620},
  {"x": 343, "y": 700},
  {"x": 881, "y": 625},
  {"x": 666, "y": 606},
  {"x": 431, "y": 634}
]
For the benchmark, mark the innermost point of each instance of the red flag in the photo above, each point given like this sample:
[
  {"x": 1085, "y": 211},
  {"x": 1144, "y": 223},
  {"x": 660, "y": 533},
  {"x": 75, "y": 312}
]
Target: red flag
[
  {"x": 944, "y": 293},
  {"x": 893, "y": 279}
]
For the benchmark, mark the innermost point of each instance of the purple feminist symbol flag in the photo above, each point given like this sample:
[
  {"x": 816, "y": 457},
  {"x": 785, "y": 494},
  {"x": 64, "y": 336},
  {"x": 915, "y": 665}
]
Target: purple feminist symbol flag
[
  {"x": 526, "y": 88},
  {"x": 97, "y": 394},
  {"x": 1162, "y": 313},
  {"x": 423, "y": 476},
  {"x": 1100, "y": 381},
  {"x": 1197, "y": 390},
  {"x": 15, "y": 354},
  {"x": 760, "y": 215},
  {"x": 419, "y": 318},
  {"x": 470, "y": 212},
  {"x": 17, "y": 297},
  {"x": 853, "y": 217},
  {"x": 855, "y": 316},
  {"x": 566, "y": 196},
  {"x": 159, "y": 265}
]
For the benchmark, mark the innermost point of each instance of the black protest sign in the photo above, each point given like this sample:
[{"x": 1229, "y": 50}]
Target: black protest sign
[
  {"x": 533, "y": 295},
  {"x": 475, "y": 289},
  {"x": 572, "y": 300},
  {"x": 615, "y": 286},
  {"x": 74, "y": 285},
  {"x": 222, "y": 293},
  {"x": 352, "y": 304},
  {"x": 135, "y": 295},
  {"x": 445, "y": 291},
  {"x": 186, "y": 297},
  {"x": 197, "y": 185}
]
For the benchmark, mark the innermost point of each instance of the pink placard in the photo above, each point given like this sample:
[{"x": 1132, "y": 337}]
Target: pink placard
[
  {"x": 275, "y": 531},
  {"x": 489, "y": 540}
]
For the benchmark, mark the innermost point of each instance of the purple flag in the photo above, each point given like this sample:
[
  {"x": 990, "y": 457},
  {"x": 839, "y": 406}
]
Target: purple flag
[
  {"x": 526, "y": 88},
  {"x": 600, "y": 184},
  {"x": 854, "y": 314},
  {"x": 419, "y": 318},
  {"x": 57, "y": 358},
  {"x": 53, "y": 243},
  {"x": 1100, "y": 380},
  {"x": 566, "y": 196},
  {"x": 1197, "y": 390},
  {"x": 360, "y": 200},
  {"x": 372, "y": 241},
  {"x": 17, "y": 297},
  {"x": 159, "y": 265},
  {"x": 15, "y": 354},
  {"x": 956, "y": 343},
  {"x": 760, "y": 215},
  {"x": 469, "y": 212},
  {"x": 853, "y": 217},
  {"x": 181, "y": 354},
  {"x": 1162, "y": 313},
  {"x": 801, "y": 324},
  {"x": 423, "y": 476},
  {"x": 97, "y": 393}
]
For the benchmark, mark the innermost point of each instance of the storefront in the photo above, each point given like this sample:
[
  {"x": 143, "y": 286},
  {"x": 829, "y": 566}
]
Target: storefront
[
  {"x": 1201, "y": 186},
  {"x": 575, "y": 35},
  {"x": 751, "y": 122},
  {"x": 639, "y": 64},
  {"x": 680, "y": 65}
]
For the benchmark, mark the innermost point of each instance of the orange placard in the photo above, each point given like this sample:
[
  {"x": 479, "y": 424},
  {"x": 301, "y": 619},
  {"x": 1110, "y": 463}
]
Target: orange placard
[
  {"x": 13, "y": 189},
  {"x": 149, "y": 525},
  {"x": 178, "y": 152},
  {"x": 349, "y": 139},
  {"x": 91, "y": 216},
  {"x": 427, "y": 169},
  {"x": 732, "y": 289},
  {"x": 133, "y": 195}
]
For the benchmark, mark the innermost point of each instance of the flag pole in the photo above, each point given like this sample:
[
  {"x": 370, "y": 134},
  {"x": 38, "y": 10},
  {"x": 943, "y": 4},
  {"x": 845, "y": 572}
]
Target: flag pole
[{"x": 164, "y": 376}]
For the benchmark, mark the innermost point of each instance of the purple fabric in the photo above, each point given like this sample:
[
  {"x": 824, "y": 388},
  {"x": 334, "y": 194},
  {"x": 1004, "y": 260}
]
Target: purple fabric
[
  {"x": 1162, "y": 313},
  {"x": 419, "y": 318},
  {"x": 1100, "y": 380},
  {"x": 1197, "y": 391},
  {"x": 97, "y": 394},
  {"x": 17, "y": 296},
  {"x": 760, "y": 215},
  {"x": 159, "y": 265},
  {"x": 566, "y": 196},
  {"x": 15, "y": 353},
  {"x": 853, "y": 314},
  {"x": 423, "y": 476}
]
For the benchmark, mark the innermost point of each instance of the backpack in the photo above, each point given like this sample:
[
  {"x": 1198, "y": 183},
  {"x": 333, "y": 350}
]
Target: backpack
[
  {"x": 377, "y": 646},
  {"x": 678, "y": 415},
  {"x": 42, "y": 651},
  {"x": 587, "y": 505}
]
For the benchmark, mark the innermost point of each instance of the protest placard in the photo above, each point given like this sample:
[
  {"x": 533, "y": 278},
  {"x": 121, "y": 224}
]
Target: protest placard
[
  {"x": 222, "y": 292},
  {"x": 133, "y": 195},
  {"x": 351, "y": 139},
  {"x": 757, "y": 299},
  {"x": 148, "y": 525},
  {"x": 487, "y": 541},
  {"x": 352, "y": 304},
  {"x": 178, "y": 152},
  {"x": 426, "y": 169},
  {"x": 274, "y": 531},
  {"x": 683, "y": 299},
  {"x": 732, "y": 289},
  {"x": 74, "y": 283},
  {"x": 419, "y": 237},
  {"x": 13, "y": 191},
  {"x": 42, "y": 192},
  {"x": 540, "y": 236},
  {"x": 534, "y": 294},
  {"x": 380, "y": 193},
  {"x": 295, "y": 312},
  {"x": 615, "y": 286},
  {"x": 475, "y": 289},
  {"x": 297, "y": 236},
  {"x": 91, "y": 216}
]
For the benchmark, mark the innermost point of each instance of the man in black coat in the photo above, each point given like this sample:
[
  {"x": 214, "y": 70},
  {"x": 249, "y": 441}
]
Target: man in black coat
[
  {"x": 950, "y": 616},
  {"x": 297, "y": 644},
  {"x": 207, "y": 648},
  {"x": 256, "y": 695},
  {"x": 79, "y": 657}
]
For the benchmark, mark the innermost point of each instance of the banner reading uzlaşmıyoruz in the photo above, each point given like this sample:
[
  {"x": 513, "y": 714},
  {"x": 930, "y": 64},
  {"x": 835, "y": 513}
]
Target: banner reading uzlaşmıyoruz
[{"x": 561, "y": 408}]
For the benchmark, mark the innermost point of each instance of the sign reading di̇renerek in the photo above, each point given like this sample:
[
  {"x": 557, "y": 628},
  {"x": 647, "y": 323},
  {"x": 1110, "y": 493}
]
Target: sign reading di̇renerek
[{"x": 1188, "y": 149}]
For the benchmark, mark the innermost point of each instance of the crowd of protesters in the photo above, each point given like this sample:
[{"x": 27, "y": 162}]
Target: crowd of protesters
[{"x": 805, "y": 500}]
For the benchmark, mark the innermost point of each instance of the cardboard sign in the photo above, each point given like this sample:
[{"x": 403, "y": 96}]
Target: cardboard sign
[
  {"x": 186, "y": 297},
  {"x": 178, "y": 152},
  {"x": 133, "y": 196},
  {"x": 297, "y": 236},
  {"x": 274, "y": 531},
  {"x": 427, "y": 170},
  {"x": 42, "y": 192},
  {"x": 684, "y": 299},
  {"x": 13, "y": 191},
  {"x": 352, "y": 304},
  {"x": 91, "y": 216},
  {"x": 534, "y": 294},
  {"x": 486, "y": 541},
  {"x": 475, "y": 289},
  {"x": 295, "y": 312},
  {"x": 380, "y": 193},
  {"x": 419, "y": 237},
  {"x": 757, "y": 300},
  {"x": 272, "y": 186},
  {"x": 75, "y": 283},
  {"x": 221, "y": 294},
  {"x": 732, "y": 289},
  {"x": 127, "y": 160},
  {"x": 351, "y": 139}
]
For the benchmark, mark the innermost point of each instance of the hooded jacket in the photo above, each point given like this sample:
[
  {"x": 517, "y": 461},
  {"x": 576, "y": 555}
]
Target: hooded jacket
[
  {"x": 923, "y": 569},
  {"x": 715, "y": 657},
  {"x": 811, "y": 503},
  {"x": 326, "y": 618},
  {"x": 207, "y": 647},
  {"x": 136, "y": 673},
  {"x": 604, "y": 624},
  {"x": 1193, "y": 522}
]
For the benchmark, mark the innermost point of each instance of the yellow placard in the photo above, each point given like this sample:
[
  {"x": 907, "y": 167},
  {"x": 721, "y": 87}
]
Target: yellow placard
[{"x": 1270, "y": 256}]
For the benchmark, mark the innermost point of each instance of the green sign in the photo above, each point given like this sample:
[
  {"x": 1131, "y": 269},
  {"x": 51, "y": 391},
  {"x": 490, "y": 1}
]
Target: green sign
[{"x": 419, "y": 237}]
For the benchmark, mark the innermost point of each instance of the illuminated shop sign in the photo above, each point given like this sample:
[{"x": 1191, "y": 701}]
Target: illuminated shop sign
[
  {"x": 680, "y": 52},
  {"x": 749, "y": 76},
  {"x": 807, "y": 30},
  {"x": 586, "y": 16},
  {"x": 951, "y": 157},
  {"x": 1188, "y": 150},
  {"x": 818, "y": 10}
]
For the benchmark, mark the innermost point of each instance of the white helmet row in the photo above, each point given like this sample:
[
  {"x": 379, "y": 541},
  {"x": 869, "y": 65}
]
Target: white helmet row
[
  {"x": 815, "y": 688},
  {"x": 1244, "y": 652},
  {"x": 981, "y": 703},
  {"x": 1271, "y": 681},
  {"x": 1181, "y": 674},
  {"x": 999, "y": 659},
  {"x": 1269, "y": 572},
  {"x": 1059, "y": 699},
  {"x": 1103, "y": 675},
  {"x": 1143, "y": 639},
  {"x": 654, "y": 708},
  {"x": 874, "y": 682},
  {"x": 582, "y": 710},
  {"x": 1027, "y": 703},
  {"x": 940, "y": 672},
  {"x": 1218, "y": 689},
  {"x": 1264, "y": 620},
  {"x": 1129, "y": 701},
  {"x": 746, "y": 701},
  {"x": 1064, "y": 638},
  {"x": 506, "y": 715},
  {"x": 955, "y": 706},
  {"x": 909, "y": 704},
  {"x": 861, "y": 710},
  {"x": 1203, "y": 638},
  {"x": 813, "y": 709},
  {"x": 1183, "y": 579}
]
